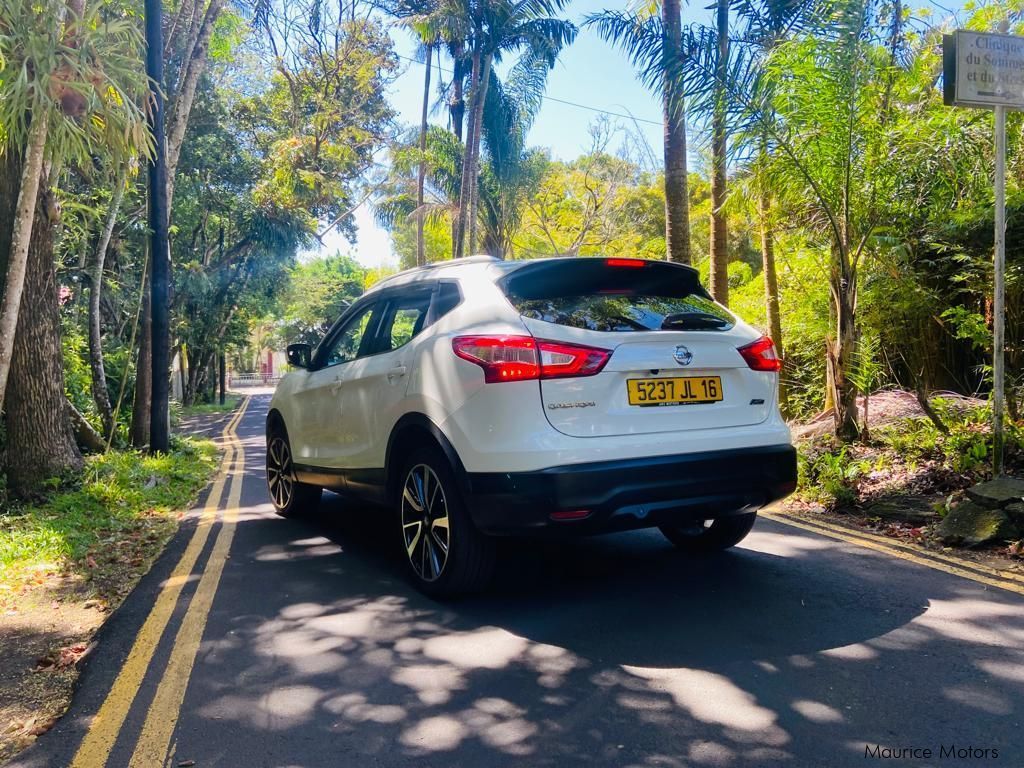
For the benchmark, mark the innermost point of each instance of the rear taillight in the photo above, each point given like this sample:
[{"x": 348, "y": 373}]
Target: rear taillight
[
  {"x": 761, "y": 356},
  {"x": 628, "y": 263},
  {"x": 519, "y": 358}
]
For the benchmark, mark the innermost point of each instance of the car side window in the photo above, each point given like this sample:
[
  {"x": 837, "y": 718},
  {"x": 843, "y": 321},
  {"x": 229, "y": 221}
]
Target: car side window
[
  {"x": 405, "y": 319},
  {"x": 348, "y": 344}
]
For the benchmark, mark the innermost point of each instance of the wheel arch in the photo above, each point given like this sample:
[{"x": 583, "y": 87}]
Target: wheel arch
[
  {"x": 275, "y": 419},
  {"x": 412, "y": 431}
]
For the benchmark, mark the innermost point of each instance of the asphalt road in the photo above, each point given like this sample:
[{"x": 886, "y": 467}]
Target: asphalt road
[{"x": 299, "y": 643}]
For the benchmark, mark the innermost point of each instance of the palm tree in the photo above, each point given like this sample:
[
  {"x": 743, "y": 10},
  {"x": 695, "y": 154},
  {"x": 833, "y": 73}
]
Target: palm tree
[
  {"x": 654, "y": 45},
  {"x": 508, "y": 175},
  {"x": 490, "y": 29},
  {"x": 719, "y": 246},
  {"x": 511, "y": 171},
  {"x": 408, "y": 11}
]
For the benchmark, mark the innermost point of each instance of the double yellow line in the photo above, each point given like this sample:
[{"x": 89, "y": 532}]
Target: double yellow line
[
  {"x": 939, "y": 561},
  {"x": 162, "y": 716}
]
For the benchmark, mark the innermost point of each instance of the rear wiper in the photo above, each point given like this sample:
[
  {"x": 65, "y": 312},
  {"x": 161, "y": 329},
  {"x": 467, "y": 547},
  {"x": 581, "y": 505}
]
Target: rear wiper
[{"x": 694, "y": 321}]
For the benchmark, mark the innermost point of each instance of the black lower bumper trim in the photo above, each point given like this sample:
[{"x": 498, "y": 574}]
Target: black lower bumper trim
[{"x": 632, "y": 493}]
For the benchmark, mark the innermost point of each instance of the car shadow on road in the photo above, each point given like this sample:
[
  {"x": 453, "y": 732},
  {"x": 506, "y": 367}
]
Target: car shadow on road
[{"x": 613, "y": 650}]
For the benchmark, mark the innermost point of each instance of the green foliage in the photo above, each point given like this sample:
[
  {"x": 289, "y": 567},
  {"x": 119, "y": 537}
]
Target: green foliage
[
  {"x": 86, "y": 78},
  {"x": 122, "y": 495},
  {"x": 830, "y": 474},
  {"x": 317, "y": 293},
  {"x": 77, "y": 378},
  {"x": 867, "y": 367},
  {"x": 827, "y": 476}
]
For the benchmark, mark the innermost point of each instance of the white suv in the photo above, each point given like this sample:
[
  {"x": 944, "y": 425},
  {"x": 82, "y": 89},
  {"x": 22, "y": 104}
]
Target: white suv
[{"x": 570, "y": 395}]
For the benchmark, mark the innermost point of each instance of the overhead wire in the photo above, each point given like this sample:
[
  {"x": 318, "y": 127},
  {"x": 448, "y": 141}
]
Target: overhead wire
[{"x": 556, "y": 100}]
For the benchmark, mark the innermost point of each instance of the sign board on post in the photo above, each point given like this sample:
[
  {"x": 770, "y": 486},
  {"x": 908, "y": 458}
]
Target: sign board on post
[{"x": 981, "y": 69}]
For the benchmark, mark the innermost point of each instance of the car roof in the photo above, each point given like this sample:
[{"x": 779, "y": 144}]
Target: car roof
[{"x": 480, "y": 264}]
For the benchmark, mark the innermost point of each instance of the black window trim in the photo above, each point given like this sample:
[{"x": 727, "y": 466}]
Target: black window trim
[
  {"x": 372, "y": 339},
  {"x": 324, "y": 347}
]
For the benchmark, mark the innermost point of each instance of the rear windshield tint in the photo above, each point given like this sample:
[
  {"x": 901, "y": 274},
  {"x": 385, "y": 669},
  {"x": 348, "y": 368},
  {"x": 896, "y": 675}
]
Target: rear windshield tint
[{"x": 591, "y": 294}]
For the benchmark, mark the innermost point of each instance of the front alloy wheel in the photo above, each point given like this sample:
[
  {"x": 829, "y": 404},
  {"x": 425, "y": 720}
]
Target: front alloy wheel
[
  {"x": 280, "y": 472},
  {"x": 425, "y": 523},
  {"x": 290, "y": 497}
]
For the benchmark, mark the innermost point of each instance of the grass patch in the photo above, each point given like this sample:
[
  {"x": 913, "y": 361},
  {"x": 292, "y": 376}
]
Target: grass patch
[
  {"x": 111, "y": 524},
  {"x": 200, "y": 409}
]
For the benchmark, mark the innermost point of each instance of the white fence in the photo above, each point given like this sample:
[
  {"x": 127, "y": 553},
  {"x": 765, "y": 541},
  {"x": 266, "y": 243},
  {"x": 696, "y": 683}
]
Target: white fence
[{"x": 253, "y": 379}]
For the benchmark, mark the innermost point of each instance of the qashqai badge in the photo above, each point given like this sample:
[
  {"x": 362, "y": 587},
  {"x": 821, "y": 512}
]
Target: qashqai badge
[{"x": 682, "y": 355}]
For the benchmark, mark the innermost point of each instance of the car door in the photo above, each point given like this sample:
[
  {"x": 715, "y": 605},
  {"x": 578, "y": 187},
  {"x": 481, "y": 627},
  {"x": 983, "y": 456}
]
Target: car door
[
  {"x": 325, "y": 425},
  {"x": 373, "y": 394}
]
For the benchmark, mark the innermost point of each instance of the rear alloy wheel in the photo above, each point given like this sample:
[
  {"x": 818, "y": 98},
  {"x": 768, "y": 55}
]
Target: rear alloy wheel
[
  {"x": 289, "y": 496},
  {"x": 710, "y": 535},
  {"x": 445, "y": 552}
]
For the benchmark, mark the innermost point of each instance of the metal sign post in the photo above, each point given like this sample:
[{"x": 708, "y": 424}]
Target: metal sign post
[
  {"x": 999, "y": 299},
  {"x": 987, "y": 70}
]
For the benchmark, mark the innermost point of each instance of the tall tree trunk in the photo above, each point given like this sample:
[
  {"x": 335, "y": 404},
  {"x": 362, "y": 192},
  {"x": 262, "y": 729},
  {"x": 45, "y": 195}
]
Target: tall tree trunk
[
  {"x": 18, "y": 251},
  {"x": 223, "y": 370},
  {"x": 843, "y": 347},
  {"x": 421, "y": 254},
  {"x": 458, "y": 247},
  {"x": 100, "y": 395},
  {"x": 771, "y": 285},
  {"x": 143, "y": 402},
  {"x": 719, "y": 249},
  {"x": 181, "y": 109},
  {"x": 478, "y": 119},
  {"x": 677, "y": 207},
  {"x": 38, "y": 423},
  {"x": 183, "y": 375},
  {"x": 10, "y": 183},
  {"x": 457, "y": 102}
]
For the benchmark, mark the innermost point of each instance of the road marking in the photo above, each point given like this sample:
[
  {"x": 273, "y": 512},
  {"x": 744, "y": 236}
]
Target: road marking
[
  {"x": 911, "y": 548},
  {"x": 936, "y": 561},
  {"x": 106, "y": 725},
  {"x": 165, "y": 709}
]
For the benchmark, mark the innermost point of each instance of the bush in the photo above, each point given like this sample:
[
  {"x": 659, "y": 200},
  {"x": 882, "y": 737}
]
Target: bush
[{"x": 121, "y": 509}]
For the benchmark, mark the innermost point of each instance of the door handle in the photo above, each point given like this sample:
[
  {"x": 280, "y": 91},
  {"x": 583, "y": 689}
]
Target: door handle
[{"x": 397, "y": 372}]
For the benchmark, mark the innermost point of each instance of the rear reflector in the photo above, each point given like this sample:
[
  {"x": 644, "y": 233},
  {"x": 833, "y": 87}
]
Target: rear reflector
[
  {"x": 521, "y": 358},
  {"x": 761, "y": 356},
  {"x": 635, "y": 263},
  {"x": 576, "y": 514}
]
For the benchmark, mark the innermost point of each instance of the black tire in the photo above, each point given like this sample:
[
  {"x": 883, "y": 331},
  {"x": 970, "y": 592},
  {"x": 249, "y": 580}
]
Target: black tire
[
  {"x": 289, "y": 497},
  {"x": 455, "y": 558},
  {"x": 710, "y": 535}
]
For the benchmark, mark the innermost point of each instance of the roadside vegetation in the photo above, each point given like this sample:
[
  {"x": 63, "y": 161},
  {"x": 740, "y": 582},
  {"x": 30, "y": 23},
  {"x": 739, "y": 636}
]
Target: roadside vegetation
[
  {"x": 68, "y": 558},
  {"x": 908, "y": 475},
  {"x": 105, "y": 526}
]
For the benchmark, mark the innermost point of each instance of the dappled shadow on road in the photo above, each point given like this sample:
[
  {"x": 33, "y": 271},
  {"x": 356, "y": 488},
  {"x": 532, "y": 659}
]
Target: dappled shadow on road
[{"x": 615, "y": 651}]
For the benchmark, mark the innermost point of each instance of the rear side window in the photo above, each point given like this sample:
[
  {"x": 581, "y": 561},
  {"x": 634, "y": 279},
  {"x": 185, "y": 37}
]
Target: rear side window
[{"x": 615, "y": 295}]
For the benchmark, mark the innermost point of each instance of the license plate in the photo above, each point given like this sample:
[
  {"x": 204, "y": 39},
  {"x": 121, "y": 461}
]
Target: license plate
[{"x": 681, "y": 390}]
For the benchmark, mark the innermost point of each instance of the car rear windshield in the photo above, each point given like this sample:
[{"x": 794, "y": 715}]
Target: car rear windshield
[{"x": 615, "y": 295}]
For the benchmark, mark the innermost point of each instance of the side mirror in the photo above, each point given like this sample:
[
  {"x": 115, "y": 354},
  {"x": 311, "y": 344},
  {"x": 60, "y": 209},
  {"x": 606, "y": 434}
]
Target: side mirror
[{"x": 299, "y": 355}]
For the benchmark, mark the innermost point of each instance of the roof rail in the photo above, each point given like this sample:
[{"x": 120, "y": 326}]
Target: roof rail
[{"x": 476, "y": 259}]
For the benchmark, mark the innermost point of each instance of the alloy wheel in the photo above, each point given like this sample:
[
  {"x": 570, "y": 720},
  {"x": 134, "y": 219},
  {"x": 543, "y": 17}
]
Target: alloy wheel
[
  {"x": 425, "y": 529},
  {"x": 280, "y": 472}
]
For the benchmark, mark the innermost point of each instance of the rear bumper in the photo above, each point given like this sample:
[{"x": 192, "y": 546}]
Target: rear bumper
[{"x": 632, "y": 493}]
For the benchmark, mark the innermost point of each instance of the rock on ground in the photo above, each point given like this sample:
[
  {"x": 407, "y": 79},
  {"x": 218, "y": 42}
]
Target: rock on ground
[
  {"x": 997, "y": 493},
  {"x": 970, "y": 524}
]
